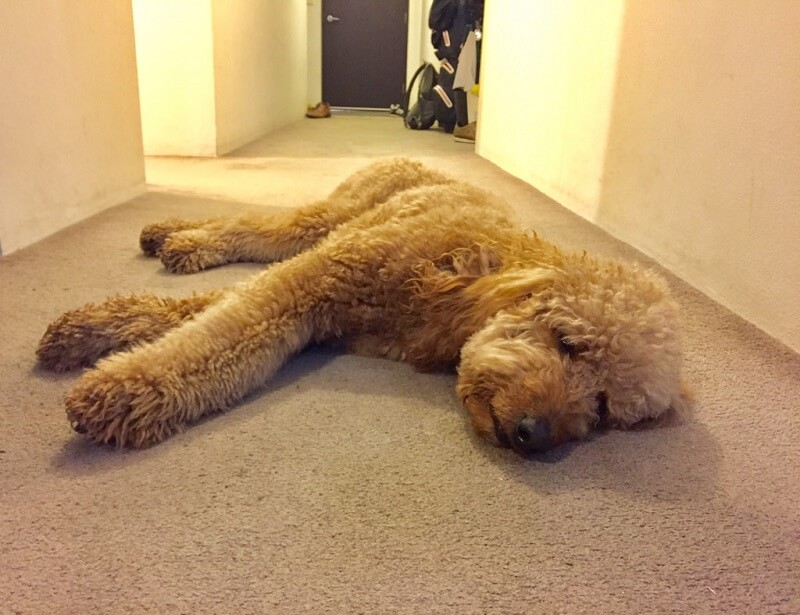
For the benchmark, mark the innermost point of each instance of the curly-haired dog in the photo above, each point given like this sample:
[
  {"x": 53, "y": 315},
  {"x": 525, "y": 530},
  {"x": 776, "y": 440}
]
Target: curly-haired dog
[{"x": 399, "y": 261}]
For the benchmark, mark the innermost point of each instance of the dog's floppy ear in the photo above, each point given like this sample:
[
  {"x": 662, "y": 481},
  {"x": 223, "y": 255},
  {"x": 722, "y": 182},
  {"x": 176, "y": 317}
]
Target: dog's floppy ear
[
  {"x": 446, "y": 276},
  {"x": 438, "y": 291},
  {"x": 469, "y": 263},
  {"x": 508, "y": 288},
  {"x": 457, "y": 293},
  {"x": 478, "y": 276},
  {"x": 483, "y": 277}
]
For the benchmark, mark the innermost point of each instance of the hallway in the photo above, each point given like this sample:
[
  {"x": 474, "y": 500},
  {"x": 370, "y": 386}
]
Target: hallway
[{"x": 354, "y": 485}]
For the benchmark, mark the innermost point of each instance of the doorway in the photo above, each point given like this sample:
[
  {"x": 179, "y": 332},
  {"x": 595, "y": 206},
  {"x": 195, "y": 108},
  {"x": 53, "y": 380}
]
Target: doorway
[{"x": 364, "y": 46}]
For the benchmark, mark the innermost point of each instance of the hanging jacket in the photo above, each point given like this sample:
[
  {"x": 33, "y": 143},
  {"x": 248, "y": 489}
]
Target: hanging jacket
[{"x": 450, "y": 21}]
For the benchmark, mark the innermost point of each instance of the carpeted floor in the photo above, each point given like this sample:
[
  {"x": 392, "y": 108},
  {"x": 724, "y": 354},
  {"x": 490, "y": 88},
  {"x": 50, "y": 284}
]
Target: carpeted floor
[{"x": 352, "y": 485}]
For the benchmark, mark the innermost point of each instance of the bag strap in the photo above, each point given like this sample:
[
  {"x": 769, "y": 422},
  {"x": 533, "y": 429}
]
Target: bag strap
[{"x": 407, "y": 98}]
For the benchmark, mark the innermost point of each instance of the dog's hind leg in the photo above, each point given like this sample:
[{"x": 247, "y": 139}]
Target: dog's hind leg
[
  {"x": 141, "y": 397},
  {"x": 190, "y": 247},
  {"x": 79, "y": 338}
]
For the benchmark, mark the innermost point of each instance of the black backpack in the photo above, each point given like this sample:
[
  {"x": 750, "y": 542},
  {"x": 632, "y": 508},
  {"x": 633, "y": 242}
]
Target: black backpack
[{"x": 423, "y": 114}]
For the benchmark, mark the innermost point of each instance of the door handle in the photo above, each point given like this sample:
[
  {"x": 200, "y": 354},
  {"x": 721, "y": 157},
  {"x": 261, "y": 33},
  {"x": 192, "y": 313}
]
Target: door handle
[{"x": 331, "y": 19}]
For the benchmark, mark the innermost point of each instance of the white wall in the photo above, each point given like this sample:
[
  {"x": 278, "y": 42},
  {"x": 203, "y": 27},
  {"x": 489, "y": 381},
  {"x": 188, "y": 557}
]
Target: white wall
[
  {"x": 260, "y": 66},
  {"x": 175, "y": 60},
  {"x": 217, "y": 74},
  {"x": 70, "y": 138},
  {"x": 314, "y": 31},
  {"x": 548, "y": 72},
  {"x": 419, "y": 37},
  {"x": 674, "y": 125}
]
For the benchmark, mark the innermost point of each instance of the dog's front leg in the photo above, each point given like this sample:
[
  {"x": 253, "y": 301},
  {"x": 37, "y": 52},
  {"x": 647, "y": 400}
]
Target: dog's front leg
[
  {"x": 143, "y": 396},
  {"x": 80, "y": 337}
]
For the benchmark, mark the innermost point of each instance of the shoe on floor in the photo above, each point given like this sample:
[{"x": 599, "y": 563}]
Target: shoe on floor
[
  {"x": 322, "y": 110},
  {"x": 465, "y": 134}
]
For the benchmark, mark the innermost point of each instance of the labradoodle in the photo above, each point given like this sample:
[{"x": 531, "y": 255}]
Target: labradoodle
[{"x": 400, "y": 261}]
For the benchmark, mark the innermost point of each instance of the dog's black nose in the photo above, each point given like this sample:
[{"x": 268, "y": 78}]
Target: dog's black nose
[{"x": 533, "y": 435}]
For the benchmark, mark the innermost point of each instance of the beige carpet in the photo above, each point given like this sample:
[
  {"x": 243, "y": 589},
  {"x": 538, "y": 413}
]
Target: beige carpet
[{"x": 352, "y": 485}]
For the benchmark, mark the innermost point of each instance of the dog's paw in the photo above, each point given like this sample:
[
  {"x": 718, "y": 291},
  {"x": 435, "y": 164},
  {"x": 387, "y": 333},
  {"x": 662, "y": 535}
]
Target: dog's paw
[
  {"x": 153, "y": 236},
  {"x": 73, "y": 341},
  {"x": 191, "y": 251},
  {"x": 121, "y": 411}
]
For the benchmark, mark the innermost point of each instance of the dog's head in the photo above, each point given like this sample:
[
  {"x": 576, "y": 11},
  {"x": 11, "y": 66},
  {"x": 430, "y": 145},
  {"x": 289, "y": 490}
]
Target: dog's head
[{"x": 568, "y": 348}]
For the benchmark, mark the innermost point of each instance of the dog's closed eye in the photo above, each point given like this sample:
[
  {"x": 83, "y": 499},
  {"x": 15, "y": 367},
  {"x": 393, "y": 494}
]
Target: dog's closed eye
[{"x": 565, "y": 346}]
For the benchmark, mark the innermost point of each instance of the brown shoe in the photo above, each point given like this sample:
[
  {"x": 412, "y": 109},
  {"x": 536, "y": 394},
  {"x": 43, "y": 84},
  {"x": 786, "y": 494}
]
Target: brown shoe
[
  {"x": 322, "y": 110},
  {"x": 465, "y": 134}
]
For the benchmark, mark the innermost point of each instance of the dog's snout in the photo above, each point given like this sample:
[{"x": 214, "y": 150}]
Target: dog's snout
[{"x": 533, "y": 435}]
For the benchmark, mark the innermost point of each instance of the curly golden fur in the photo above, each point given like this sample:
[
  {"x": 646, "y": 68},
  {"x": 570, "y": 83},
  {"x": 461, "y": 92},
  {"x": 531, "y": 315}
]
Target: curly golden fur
[{"x": 400, "y": 261}]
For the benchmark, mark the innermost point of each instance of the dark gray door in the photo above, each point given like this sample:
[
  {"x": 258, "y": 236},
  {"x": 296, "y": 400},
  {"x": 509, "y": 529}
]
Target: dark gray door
[{"x": 364, "y": 52}]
